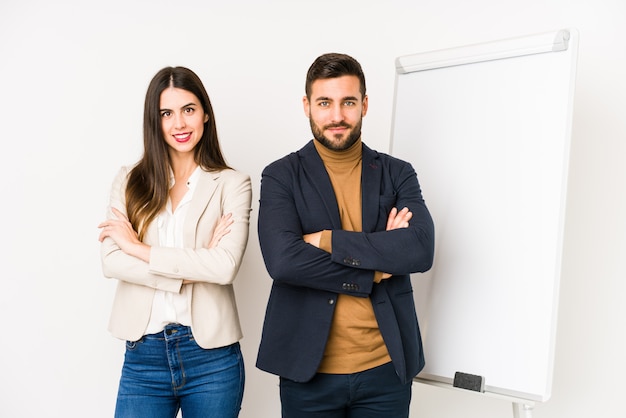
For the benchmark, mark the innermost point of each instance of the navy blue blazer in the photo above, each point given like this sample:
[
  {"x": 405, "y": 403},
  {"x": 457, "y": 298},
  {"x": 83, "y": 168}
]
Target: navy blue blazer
[{"x": 297, "y": 198}]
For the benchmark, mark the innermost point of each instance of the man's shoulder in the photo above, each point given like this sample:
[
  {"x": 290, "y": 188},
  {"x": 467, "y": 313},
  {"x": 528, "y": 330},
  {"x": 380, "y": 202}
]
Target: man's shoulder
[
  {"x": 384, "y": 158},
  {"x": 292, "y": 159}
]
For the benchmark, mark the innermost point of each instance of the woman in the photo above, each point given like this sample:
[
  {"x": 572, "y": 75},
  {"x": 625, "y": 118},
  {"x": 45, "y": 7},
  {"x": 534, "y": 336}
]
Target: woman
[{"x": 174, "y": 238}]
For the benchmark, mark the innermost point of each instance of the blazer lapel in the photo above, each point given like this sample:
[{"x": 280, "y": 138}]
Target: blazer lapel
[
  {"x": 207, "y": 184},
  {"x": 370, "y": 188},
  {"x": 313, "y": 167}
]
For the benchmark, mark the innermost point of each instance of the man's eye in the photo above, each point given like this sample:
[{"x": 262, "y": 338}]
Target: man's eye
[
  {"x": 349, "y": 103},
  {"x": 324, "y": 104}
]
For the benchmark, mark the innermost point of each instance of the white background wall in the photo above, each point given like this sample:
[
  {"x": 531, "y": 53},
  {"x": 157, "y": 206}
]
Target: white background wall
[{"x": 72, "y": 81}]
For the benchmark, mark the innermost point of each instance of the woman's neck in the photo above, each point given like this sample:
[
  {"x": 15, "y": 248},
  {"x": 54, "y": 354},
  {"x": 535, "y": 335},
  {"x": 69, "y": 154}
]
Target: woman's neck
[{"x": 183, "y": 167}]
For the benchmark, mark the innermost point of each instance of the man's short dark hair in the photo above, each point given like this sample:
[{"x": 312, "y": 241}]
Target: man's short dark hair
[{"x": 333, "y": 65}]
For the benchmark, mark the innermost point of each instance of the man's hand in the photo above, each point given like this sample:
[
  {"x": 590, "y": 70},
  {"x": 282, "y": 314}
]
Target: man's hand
[
  {"x": 313, "y": 239},
  {"x": 397, "y": 220}
]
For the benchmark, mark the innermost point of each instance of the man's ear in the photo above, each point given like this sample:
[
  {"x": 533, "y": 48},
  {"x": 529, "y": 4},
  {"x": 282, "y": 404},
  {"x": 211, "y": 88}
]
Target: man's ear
[
  {"x": 364, "y": 110},
  {"x": 307, "y": 106}
]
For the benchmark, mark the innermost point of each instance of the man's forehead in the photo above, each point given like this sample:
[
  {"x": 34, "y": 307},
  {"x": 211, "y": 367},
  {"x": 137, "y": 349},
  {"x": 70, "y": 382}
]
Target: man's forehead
[{"x": 344, "y": 87}]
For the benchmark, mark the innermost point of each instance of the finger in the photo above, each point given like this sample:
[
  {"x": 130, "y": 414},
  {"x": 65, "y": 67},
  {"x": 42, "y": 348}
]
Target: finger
[
  {"x": 103, "y": 235},
  {"x": 404, "y": 216},
  {"x": 391, "y": 218},
  {"x": 401, "y": 220},
  {"x": 223, "y": 226},
  {"x": 227, "y": 219},
  {"x": 227, "y": 222}
]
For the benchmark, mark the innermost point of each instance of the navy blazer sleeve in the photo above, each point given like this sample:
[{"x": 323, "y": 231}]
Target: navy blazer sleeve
[{"x": 400, "y": 251}]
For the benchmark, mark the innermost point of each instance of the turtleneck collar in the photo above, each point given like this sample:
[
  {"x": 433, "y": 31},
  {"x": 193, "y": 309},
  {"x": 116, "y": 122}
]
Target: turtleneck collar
[{"x": 354, "y": 153}]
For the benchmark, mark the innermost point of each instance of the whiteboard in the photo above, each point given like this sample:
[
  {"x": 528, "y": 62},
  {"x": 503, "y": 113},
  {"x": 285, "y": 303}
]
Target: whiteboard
[{"x": 487, "y": 128}]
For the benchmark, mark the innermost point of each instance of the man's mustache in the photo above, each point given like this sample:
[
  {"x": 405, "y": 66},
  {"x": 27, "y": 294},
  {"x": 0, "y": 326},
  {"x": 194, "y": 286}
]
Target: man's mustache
[{"x": 338, "y": 125}]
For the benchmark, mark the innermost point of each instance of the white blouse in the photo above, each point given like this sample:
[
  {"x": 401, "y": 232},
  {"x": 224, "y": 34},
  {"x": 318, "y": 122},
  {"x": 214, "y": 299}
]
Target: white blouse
[{"x": 169, "y": 307}]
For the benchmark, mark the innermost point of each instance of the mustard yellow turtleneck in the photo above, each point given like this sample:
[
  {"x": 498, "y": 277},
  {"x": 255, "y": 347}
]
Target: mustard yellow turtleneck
[{"x": 355, "y": 343}]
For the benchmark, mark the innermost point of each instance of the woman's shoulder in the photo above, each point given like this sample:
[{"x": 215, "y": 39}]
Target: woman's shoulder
[
  {"x": 125, "y": 170},
  {"x": 230, "y": 174}
]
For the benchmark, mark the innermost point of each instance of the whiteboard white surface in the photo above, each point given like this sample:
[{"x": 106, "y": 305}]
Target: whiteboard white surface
[{"x": 487, "y": 128}]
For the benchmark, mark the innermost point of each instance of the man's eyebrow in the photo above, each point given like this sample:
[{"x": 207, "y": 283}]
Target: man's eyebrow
[{"x": 343, "y": 99}]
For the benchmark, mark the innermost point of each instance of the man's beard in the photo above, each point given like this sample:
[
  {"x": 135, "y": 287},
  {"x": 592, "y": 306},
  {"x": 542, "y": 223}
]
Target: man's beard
[{"x": 353, "y": 135}]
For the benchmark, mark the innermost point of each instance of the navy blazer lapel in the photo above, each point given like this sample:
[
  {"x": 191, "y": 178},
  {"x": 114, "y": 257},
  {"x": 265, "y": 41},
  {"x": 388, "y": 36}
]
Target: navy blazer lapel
[
  {"x": 370, "y": 188},
  {"x": 314, "y": 169}
]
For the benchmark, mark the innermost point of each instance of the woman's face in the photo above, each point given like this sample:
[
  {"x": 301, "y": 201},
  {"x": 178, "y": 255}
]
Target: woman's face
[{"x": 182, "y": 119}]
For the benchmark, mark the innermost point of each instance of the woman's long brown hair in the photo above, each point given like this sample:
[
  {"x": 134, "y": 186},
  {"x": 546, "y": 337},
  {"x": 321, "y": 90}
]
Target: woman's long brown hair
[{"x": 149, "y": 181}]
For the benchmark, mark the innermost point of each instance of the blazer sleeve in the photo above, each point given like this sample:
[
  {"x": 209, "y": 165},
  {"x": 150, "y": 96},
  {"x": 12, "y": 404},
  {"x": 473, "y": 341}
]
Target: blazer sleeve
[
  {"x": 116, "y": 264},
  {"x": 399, "y": 251},
  {"x": 169, "y": 266},
  {"x": 288, "y": 258}
]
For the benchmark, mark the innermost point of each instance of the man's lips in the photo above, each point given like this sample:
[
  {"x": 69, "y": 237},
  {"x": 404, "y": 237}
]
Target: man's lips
[{"x": 337, "y": 128}]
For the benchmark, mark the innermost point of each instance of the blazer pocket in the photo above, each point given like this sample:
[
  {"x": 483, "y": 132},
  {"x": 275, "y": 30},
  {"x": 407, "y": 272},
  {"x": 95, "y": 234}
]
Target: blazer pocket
[{"x": 385, "y": 203}]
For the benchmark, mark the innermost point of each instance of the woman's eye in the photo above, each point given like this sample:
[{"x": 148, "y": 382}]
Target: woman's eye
[{"x": 165, "y": 114}]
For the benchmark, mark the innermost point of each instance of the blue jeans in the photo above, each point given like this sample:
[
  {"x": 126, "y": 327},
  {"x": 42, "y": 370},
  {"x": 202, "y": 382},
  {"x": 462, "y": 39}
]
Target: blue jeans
[
  {"x": 374, "y": 393},
  {"x": 168, "y": 371}
]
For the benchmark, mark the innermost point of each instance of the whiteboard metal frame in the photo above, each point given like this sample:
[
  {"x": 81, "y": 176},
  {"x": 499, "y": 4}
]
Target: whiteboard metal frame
[{"x": 489, "y": 51}]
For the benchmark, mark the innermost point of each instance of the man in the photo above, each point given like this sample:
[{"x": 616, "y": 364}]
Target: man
[{"x": 340, "y": 328}]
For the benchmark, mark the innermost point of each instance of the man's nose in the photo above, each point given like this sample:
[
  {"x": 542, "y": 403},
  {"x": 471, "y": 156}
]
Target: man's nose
[{"x": 336, "y": 113}]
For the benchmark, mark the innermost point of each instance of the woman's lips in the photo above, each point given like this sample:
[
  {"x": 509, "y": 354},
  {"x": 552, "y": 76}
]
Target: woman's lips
[{"x": 182, "y": 137}]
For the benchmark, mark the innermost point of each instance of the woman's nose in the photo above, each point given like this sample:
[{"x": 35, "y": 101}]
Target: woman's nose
[{"x": 180, "y": 121}]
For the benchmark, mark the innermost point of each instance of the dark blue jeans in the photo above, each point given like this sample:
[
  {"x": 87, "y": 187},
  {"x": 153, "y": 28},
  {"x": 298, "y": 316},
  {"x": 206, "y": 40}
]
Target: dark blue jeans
[
  {"x": 168, "y": 371},
  {"x": 374, "y": 393}
]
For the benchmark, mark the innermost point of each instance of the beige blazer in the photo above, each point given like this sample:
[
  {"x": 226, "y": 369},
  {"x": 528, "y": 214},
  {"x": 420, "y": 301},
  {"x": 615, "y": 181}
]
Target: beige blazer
[{"x": 215, "y": 322}]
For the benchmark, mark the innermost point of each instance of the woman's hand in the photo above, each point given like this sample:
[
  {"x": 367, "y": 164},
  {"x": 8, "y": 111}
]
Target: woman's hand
[
  {"x": 121, "y": 231},
  {"x": 222, "y": 228}
]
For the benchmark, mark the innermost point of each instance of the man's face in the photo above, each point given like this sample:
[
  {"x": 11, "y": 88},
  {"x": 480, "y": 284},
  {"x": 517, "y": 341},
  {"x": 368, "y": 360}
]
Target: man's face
[{"x": 335, "y": 111}]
